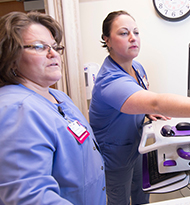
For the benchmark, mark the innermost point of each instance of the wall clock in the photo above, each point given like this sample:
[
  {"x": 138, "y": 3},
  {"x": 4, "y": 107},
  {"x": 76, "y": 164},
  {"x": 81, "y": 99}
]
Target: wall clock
[{"x": 172, "y": 10}]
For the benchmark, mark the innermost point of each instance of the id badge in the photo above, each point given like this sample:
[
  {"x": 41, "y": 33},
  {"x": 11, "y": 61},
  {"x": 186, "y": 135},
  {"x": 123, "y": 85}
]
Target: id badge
[{"x": 78, "y": 131}]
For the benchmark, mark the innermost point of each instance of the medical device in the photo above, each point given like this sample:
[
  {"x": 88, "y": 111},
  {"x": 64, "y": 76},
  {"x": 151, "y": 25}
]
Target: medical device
[{"x": 165, "y": 145}]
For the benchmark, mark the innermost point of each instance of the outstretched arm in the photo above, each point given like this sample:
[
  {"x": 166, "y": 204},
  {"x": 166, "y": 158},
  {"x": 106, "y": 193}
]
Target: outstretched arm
[{"x": 147, "y": 102}]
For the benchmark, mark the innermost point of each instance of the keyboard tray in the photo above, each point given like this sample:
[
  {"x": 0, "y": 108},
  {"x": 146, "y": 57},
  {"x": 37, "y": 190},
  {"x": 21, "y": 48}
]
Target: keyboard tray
[{"x": 152, "y": 178}]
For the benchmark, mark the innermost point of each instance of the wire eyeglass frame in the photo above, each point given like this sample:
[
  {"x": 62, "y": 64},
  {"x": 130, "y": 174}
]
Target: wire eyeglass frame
[{"x": 39, "y": 48}]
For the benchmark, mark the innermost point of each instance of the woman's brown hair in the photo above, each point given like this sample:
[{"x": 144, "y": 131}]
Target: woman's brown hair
[{"x": 11, "y": 27}]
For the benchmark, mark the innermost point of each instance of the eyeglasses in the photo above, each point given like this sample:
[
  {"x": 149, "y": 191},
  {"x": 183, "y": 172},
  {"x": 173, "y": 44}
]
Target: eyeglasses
[{"x": 39, "y": 48}]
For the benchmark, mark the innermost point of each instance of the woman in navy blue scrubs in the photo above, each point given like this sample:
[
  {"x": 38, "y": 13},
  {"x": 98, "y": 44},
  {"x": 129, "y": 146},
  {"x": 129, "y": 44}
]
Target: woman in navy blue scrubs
[{"x": 120, "y": 100}]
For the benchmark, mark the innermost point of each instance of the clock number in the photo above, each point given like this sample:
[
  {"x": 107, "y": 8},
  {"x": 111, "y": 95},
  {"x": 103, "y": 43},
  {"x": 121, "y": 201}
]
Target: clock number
[
  {"x": 166, "y": 11},
  {"x": 160, "y": 5},
  {"x": 173, "y": 14},
  {"x": 181, "y": 12}
]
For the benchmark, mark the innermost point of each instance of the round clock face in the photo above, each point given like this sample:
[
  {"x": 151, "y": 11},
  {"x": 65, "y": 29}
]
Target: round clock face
[{"x": 172, "y": 10}]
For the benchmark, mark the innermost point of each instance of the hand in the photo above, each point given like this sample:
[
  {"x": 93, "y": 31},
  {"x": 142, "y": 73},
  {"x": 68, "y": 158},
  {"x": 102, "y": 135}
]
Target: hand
[{"x": 155, "y": 117}]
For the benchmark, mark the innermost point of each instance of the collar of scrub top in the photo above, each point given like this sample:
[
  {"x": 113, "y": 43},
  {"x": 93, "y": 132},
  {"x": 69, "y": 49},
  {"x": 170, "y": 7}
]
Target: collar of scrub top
[{"x": 137, "y": 73}]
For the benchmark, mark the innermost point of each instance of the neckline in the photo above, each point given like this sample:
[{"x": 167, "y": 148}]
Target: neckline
[{"x": 141, "y": 83}]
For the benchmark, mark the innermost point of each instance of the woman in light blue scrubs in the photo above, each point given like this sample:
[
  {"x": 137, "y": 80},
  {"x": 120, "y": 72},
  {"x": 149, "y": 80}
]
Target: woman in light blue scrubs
[
  {"x": 48, "y": 152},
  {"x": 120, "y": 100}
]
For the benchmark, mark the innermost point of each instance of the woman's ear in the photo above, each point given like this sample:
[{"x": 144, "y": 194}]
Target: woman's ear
[{"x": 106, "y": 39}]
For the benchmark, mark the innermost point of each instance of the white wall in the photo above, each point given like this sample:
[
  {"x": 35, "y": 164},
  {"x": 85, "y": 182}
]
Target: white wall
[{"x": 164, "y": 45}]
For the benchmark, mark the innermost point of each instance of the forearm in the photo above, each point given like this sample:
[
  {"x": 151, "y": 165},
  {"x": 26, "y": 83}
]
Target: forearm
[
  {"x": 173, "y": 105},
  {"x": 146, "y": 102}
]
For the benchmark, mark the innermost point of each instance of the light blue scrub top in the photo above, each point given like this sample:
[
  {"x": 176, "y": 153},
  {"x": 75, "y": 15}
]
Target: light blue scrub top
[
  {"x": 40, "y": 161},
  {"x": 118, "y": 134}
]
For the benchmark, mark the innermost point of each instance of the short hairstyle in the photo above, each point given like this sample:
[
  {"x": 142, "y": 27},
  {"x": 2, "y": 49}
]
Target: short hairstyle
[
  {"x": 11, "y": 27},
  {"x": 107, "y": 23}
]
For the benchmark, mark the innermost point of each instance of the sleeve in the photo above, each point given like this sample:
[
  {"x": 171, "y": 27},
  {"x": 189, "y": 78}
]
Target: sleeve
[
  {"x": 26, "y": 158},
  {"x": 117, "y": 90}
]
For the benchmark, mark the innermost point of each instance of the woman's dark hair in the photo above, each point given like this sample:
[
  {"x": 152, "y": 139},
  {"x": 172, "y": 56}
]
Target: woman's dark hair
[
  {"x": 107, "y": 23},
  {"x": 11, "y": 27}
]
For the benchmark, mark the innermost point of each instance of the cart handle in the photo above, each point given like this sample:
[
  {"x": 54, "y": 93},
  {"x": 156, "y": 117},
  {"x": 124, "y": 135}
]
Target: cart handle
[{"x": 183, "y": 154}]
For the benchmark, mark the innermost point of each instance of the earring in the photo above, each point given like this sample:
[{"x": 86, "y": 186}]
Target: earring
[{"x": 13, "y": 71}]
